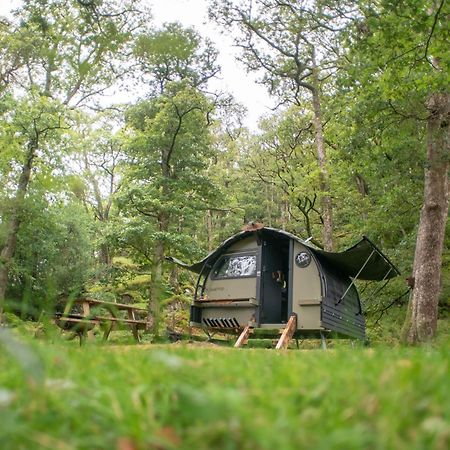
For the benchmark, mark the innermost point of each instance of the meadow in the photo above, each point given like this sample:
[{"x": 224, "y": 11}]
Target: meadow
[{"x": 56, "y": 395}]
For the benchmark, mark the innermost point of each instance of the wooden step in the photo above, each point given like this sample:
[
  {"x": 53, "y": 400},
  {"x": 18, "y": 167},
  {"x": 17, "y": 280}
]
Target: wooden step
[
  {"x": 243, "y": 337},
  {"x": 288, "y": 333}
]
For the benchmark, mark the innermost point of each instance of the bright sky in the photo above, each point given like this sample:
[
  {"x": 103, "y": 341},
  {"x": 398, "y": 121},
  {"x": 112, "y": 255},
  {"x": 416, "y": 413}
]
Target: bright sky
[{"x": 234, "y": 79}]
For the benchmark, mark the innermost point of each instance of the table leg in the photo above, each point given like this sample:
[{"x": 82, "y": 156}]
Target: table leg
[
  {"x": 108, "y": 329},
  {"x": 133, "y": 326},
  {"x": 86, "y": 314}
]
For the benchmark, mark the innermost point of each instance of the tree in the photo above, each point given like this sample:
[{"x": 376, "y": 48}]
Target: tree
[
  {"x": 33, "y": 125},
  {"x": 165, "y": 184},
  {"x": 64, "y": 54},
  {"x": 408, "y": 84},
  {"x": 54, "y": 251},
  {"x": 174, "y": 53},
  {"x": 283, "y": 157},
  {"x": 433, "y": 218},
  {"x": 294, "y": 44},
  {"x": 96, "y": 179},
  {"x": 169, "y": 142}
]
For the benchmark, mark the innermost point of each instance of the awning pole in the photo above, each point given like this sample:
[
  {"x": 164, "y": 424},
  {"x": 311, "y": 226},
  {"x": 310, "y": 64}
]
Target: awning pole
[{"x": 355, "y": 278}]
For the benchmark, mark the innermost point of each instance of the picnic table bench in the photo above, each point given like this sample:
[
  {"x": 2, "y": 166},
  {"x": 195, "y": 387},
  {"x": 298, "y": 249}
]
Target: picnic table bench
[{"x": 84, "y": 323}]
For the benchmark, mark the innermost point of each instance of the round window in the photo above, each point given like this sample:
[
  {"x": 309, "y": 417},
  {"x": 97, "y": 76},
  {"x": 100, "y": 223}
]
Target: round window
[{"x": 303, "y": 259}]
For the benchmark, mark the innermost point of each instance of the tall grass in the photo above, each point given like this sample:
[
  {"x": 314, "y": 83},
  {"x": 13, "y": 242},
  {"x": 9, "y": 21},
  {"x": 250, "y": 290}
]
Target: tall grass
[{"x": 179, "y": 396}]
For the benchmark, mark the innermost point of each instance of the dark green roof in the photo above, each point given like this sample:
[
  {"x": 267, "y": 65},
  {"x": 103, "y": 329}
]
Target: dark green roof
[{"x": 363, "y": 260}]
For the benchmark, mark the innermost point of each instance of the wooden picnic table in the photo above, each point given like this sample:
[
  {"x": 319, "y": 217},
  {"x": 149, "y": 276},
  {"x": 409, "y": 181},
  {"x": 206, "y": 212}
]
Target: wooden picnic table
[{"x": 86, "y": 321}]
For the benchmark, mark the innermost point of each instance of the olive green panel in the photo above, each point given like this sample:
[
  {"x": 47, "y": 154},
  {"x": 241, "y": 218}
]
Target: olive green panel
[
  {"x": 244, "y": 244},
  {"x": 232, "y": 289},
  {"x": 306, "y": 292},
  {"x": 309, "y": 317}
]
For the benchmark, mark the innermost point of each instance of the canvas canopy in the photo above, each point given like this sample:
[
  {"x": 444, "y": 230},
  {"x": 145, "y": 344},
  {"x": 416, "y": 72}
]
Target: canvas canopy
[{"x": 363, "y": 261}]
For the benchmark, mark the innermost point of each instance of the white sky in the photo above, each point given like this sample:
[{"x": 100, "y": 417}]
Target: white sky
[{"x": 233, "y": 79}]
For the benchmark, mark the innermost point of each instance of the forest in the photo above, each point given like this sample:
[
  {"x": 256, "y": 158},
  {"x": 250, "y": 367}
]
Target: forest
[
  {"x": 95, "y": 195},
  {"x": 116, "y": 153}
]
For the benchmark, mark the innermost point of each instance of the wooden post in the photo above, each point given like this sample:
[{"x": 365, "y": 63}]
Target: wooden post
[
  {"x": 108, "y": 330},
  {"x": 133, "y": 326},
  {"x": 323, "y": 340},
  {"x": 87, "y": 314},
  {"x": 243, "y": 338},
  {"x": 288, "y": 333},
  {"x": 67, "y": 308}
]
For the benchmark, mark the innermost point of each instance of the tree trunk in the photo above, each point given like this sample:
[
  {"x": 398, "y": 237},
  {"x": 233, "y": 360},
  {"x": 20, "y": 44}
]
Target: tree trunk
[
  {"x": 327, "y": 208},
  {"x": 153, "y": 316},
  {"x": 105, "y": 254},
  {"x": 268, "y": 207},
  {"x": 209, "y": 229},
  {"x": 154, "y": 307},
  {"x": 421, "y": 322},
  {"x": 9, "y": 248},
  {"x": 101, "y": 209}
]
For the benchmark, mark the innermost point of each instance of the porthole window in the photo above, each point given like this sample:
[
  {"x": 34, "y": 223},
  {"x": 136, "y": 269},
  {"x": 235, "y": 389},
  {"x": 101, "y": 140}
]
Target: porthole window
[
  {"x": 303, "y": 259},
  {"x": 235, "y": 266}
]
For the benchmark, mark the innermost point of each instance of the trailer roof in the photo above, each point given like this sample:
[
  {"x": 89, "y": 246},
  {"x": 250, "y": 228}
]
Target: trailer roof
[{"x": 364, "y": 260}]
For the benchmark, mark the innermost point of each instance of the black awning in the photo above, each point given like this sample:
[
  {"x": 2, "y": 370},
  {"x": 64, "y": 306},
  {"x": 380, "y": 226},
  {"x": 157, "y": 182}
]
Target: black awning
[
  {"x": 364, "y": 261},
  {"x": 196, "y": 267}
]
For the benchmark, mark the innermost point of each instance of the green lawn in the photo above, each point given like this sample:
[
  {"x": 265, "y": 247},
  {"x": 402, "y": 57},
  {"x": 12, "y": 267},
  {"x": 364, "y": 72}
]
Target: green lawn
[{"x": 59, "y": 396}]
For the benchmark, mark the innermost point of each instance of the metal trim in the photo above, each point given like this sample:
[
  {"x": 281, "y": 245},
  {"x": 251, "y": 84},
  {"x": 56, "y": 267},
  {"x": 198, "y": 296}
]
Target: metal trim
[
  {"x": 291, "y": 279},
  {"x": 258, "y": 283}
]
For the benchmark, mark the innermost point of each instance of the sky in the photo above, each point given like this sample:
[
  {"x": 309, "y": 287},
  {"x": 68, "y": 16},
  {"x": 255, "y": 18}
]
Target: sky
[{"x": 233, "y": 78}]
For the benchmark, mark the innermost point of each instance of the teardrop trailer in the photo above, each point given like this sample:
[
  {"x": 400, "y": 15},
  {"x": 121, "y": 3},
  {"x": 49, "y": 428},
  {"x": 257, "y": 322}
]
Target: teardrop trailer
[{"x": 270, "y": 279}]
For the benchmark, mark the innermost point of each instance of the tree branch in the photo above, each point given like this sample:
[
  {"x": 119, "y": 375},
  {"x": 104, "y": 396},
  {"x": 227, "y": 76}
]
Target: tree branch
[{"x": 432, "y": 32}]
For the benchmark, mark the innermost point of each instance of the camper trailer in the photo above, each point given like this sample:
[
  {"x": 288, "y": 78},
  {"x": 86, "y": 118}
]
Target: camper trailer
[{"x": 260, "y": 278}]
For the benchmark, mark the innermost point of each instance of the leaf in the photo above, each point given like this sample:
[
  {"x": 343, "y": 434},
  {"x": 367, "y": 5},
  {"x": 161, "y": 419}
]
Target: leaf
[{"x": 32, "y": 365}]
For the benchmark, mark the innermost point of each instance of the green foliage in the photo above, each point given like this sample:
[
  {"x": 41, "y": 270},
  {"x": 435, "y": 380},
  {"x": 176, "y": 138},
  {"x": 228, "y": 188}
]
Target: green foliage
[
  {"x": 180, "y": 397},
  {"x": 391, "y": 71},
  {"x": 176, "y": 173},
  {"x": 414, "y": 60},
  {"x": 71, "y": 49},
  {"x": 54, "y": 255},
  {"x": 176, "y": 312},
  {"x": 283, "y": 160},
  {"x": 174, "y": 53},
  {"x": 171, "y": 128},
  {"x": 123, "y": 280}
]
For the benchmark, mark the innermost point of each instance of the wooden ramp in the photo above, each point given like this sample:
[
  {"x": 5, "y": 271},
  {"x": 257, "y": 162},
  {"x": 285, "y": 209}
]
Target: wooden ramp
[
  {"x": 287, "y": 333},
  {"x": 243, "y": 337}
]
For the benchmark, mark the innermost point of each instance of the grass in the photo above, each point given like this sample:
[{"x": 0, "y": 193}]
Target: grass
[{"x": 58, "y": 396}]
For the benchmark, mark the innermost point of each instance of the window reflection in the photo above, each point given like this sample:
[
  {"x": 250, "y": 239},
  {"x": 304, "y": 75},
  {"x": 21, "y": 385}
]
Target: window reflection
[{"x": 235, "y": 266}]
